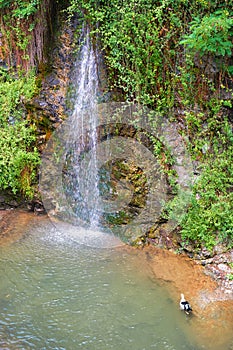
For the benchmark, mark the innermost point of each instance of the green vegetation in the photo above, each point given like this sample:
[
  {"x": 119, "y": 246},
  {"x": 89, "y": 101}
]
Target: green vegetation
[
  {"x": 17, "y": 24},
  {"x": 18, "y": 155},
  {"x": 230, "y": 276},
  {"x": 21, "y": 9},
  {"x": 144, "y": 45},
  {"x": 174, "y": 56},
  {"x": 209, "y": 218},
  {"x": 211, "y": 34},
  {"x": 25, "y": 28}
]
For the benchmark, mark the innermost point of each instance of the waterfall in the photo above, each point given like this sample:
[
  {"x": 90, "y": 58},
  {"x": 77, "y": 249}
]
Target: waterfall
[
  {"x": 100, "y": 179},
  {"x": 69, "y": 172},
  {"x": 83, "y": 180}
]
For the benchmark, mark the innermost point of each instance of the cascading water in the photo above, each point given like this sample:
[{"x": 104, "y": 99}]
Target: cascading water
[
  {"x": 99, "y": 173},
  {"x": 69, "y": 179},
  {"x": 84, "y": 184}
]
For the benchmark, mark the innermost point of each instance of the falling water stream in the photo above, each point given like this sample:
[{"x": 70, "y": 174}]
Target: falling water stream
[
  {"x": 57, "y": 293},
  {"x": 84, "y": 180}
]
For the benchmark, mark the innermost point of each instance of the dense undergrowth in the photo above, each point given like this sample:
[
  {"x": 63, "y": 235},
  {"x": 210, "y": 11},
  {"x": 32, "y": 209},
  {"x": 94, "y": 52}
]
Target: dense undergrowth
[
  {"x": 18, "y": 155},
  {"x": 176, "y": 57},
  {"x": 172, "y": 56},
  {"x": 24, "y": 32}
]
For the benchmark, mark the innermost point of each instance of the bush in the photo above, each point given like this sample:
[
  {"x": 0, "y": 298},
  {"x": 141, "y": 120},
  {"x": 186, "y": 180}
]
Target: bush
[
  {"x": 18, "y": 161},
  {"x": 211, "y": 34},
  {"x": 210, "y": 216},
  {"x": 18, "y": 157}
]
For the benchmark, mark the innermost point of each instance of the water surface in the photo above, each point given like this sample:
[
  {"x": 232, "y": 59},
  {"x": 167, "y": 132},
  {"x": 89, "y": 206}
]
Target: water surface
[{"x": 58, "y": 294}]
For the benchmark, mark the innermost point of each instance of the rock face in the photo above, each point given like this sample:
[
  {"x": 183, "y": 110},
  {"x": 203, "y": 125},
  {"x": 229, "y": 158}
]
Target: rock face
[
  {"x": 7, "y": 201},
  {"x": 30, "y": 49},
  {"x": 50, "y": 44},
  {"x": 220, "y": 267},
  {"x": 49, "y": 108}
]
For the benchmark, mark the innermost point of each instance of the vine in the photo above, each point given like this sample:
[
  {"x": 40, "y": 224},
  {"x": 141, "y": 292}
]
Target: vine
[{"x": 174, "y": 56}]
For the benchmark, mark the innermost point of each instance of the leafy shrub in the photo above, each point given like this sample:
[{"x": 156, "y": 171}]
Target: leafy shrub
[
  {"x": 15, "y": 91},
  {"x": 211, "y": 34},
  {"x": 21, "y": 9},
  {"x": 26, "y": 8},
  {"x": 210, "y": 216},
  {"x": 18, "y": 157},
  {"x": 140, "y": 42},
  {"x": 18, "y": 161}
]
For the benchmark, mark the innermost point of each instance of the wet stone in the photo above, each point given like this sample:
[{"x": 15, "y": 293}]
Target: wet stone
[
  {"x": 219, "y": 249},
  {"x": 224, "y": 267}
]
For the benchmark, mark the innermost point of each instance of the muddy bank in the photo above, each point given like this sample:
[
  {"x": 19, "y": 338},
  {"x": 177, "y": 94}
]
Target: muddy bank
[
  {"x": 212, "y": 317},
  {"x": 211, "y": 323},
  {"x": 13, "y": 224}
]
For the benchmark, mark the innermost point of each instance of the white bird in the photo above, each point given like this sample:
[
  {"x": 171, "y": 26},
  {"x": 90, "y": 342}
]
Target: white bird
[{"x": 184, "y": 305}]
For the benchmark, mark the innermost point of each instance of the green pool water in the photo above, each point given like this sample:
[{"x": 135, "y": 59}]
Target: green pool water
[{"x": 57, "y": 294}]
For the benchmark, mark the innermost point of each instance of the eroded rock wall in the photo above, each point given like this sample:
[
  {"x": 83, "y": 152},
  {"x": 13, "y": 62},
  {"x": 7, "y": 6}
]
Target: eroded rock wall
[{"x": 24, "y": 40}]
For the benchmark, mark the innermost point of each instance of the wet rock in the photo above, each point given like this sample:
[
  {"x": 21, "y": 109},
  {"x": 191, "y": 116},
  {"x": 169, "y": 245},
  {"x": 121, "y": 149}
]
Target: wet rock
[
  {"x": 188, "y": 248},
  {"x": 49, "y": 108},
  {"x": 13, "y": 203},
  {"x": 224, "y": 267},
  {"x": 205, "y": 253},
  {"x": 36, "y": 206},
  {"x": 39, "y": 103},
  {"x": 219, "y": 249},
  {"x": 220, "y": 268},
  {"x": 52, "y": 80},
  {"x": 206, "y": 261},
  {"x": 9, "y": 201}
]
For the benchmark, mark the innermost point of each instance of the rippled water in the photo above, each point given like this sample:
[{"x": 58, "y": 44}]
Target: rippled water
[{"x": 56, "y": 294}]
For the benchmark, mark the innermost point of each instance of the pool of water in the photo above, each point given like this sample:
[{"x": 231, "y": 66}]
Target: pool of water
[{"x": 57, "y": 294}]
